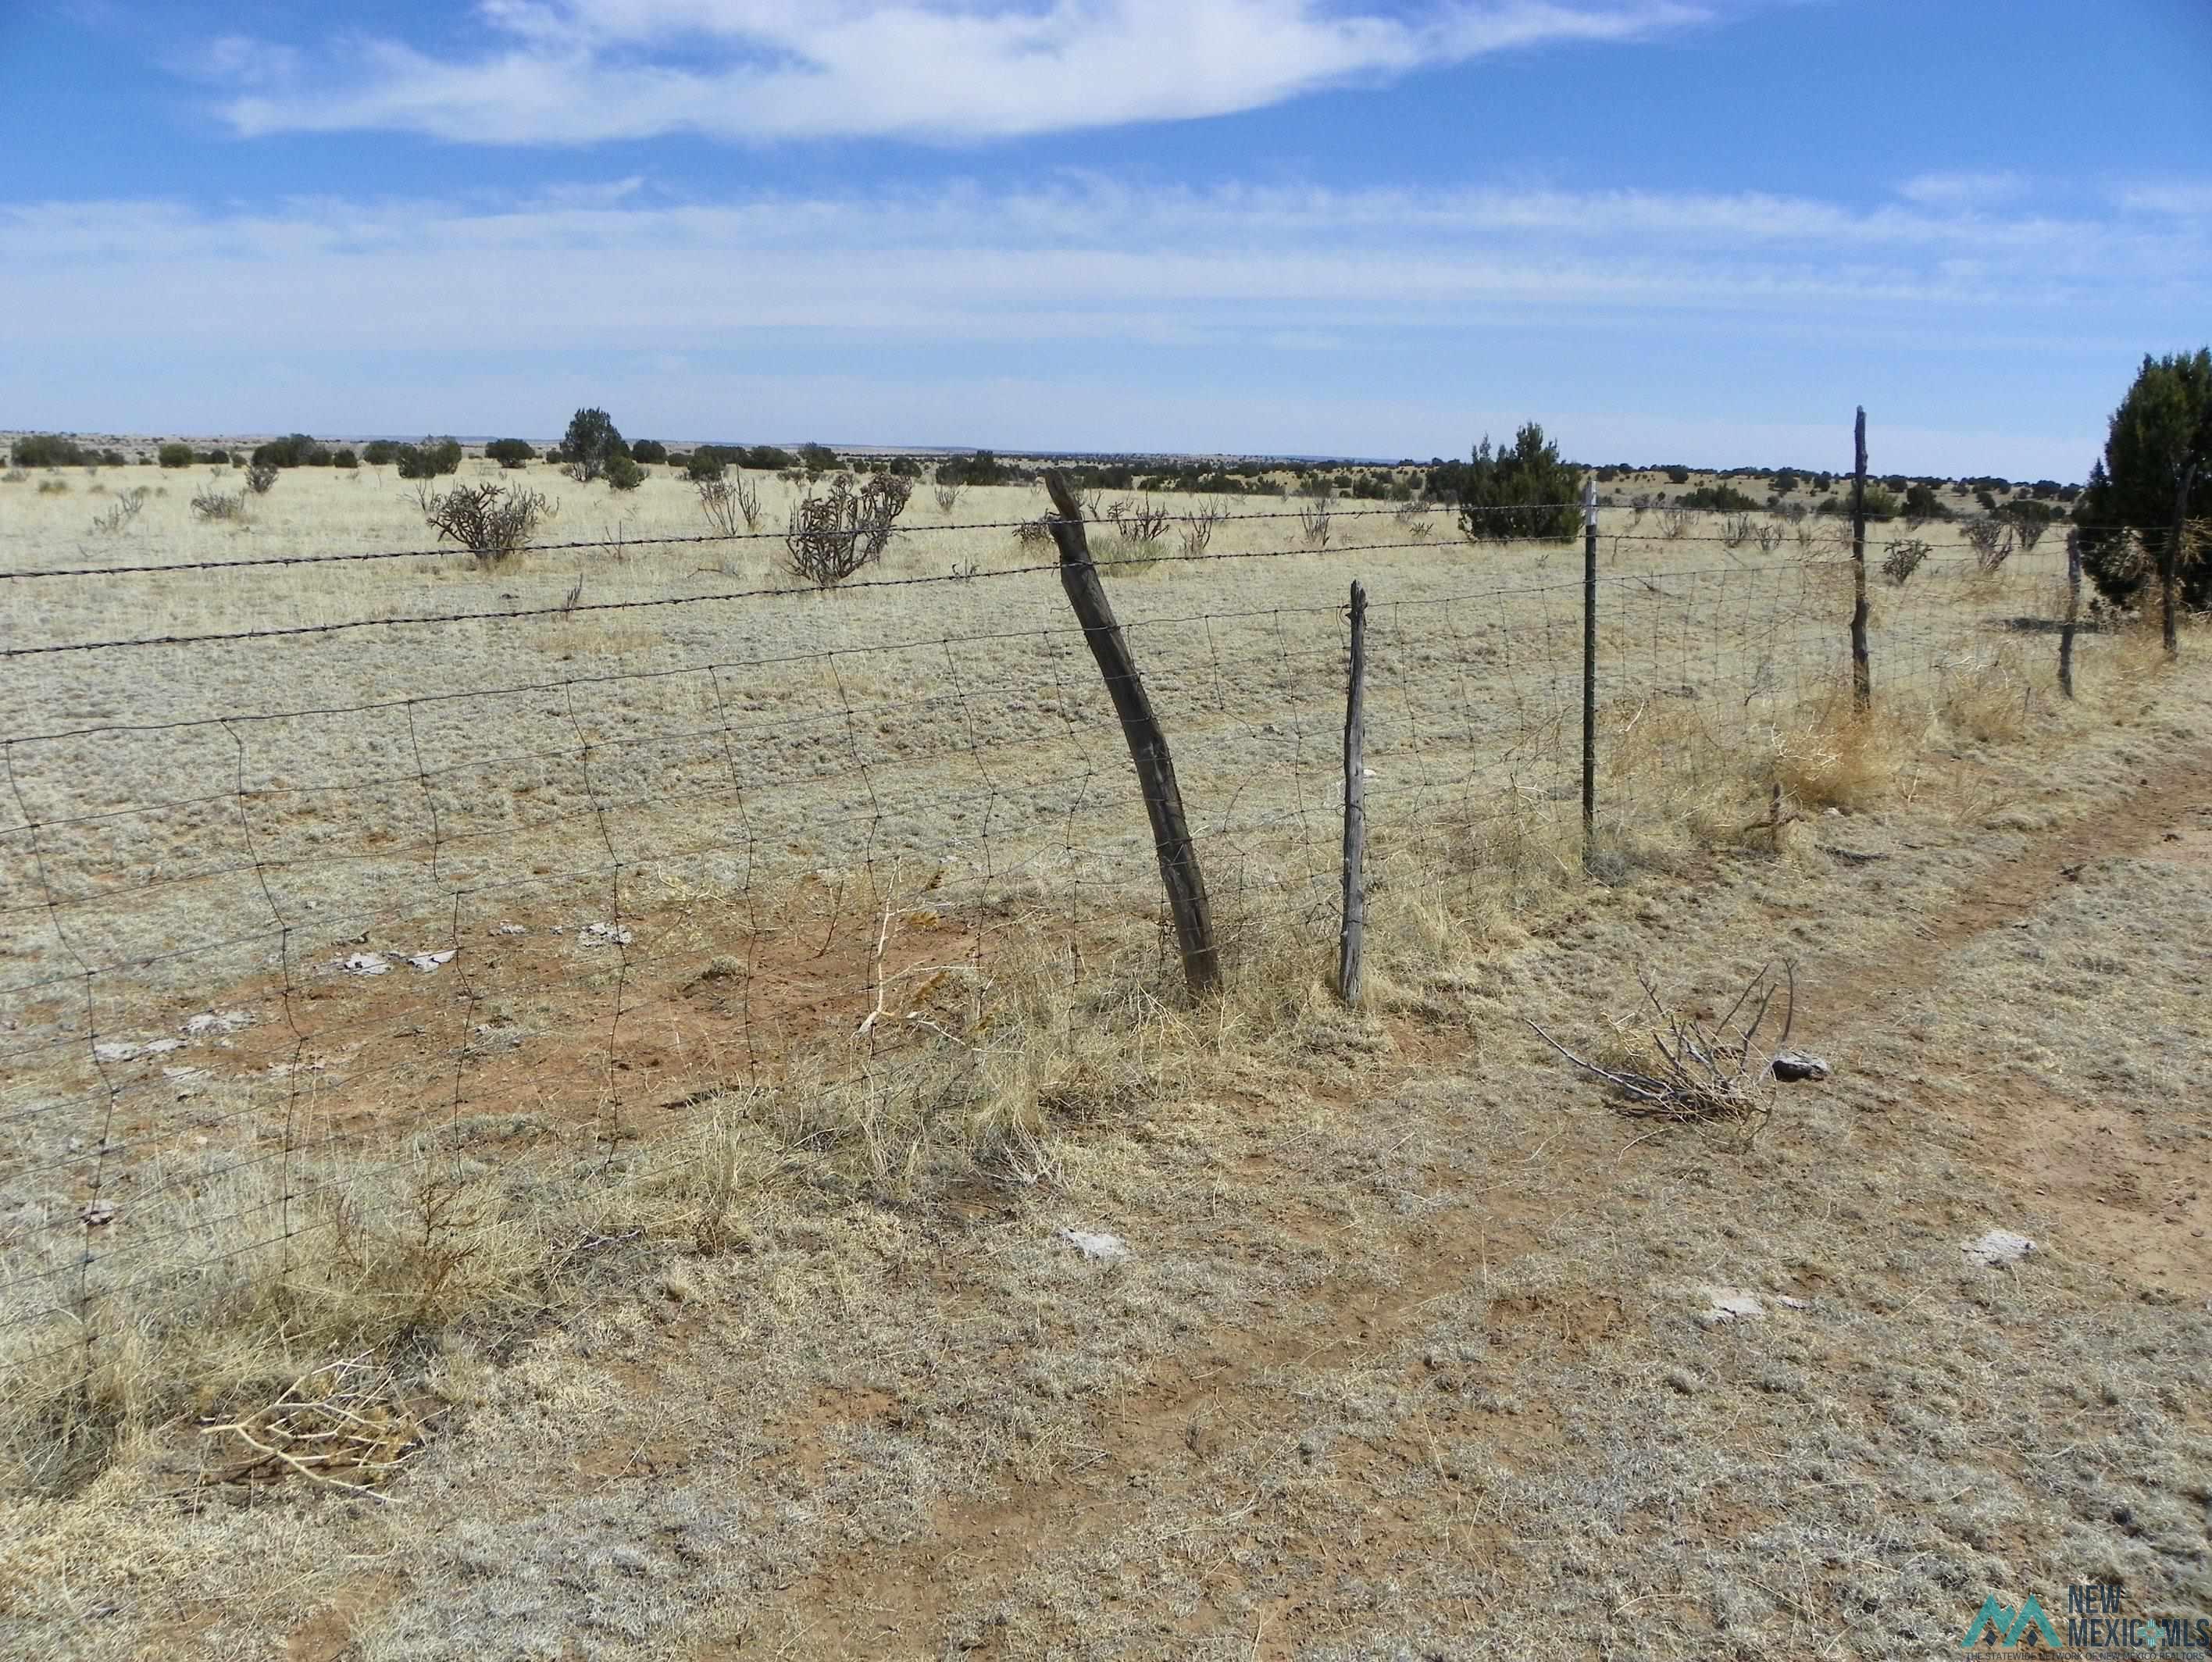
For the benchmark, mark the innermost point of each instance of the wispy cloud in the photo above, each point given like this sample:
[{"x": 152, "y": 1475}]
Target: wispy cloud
[
  {"x": 1082, "y": 258},
  {"x": 922, "y": 307},
  {"x": 2180, "y": 198},
  {"x": 1957, "y": 191},
  {"x": 581, "y": 71}
]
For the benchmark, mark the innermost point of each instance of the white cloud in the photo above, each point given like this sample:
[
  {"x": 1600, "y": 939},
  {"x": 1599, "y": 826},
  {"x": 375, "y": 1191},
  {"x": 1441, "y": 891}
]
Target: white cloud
[
  {"x": 581, "y": 71},
  {"x": 2180, "y": 198},
  {"x": 1077, "y": 259},
  {"x": 924, "y": 317},
  {"x": 238, "y": 60},
  {"x": 1963, "y": 190}
]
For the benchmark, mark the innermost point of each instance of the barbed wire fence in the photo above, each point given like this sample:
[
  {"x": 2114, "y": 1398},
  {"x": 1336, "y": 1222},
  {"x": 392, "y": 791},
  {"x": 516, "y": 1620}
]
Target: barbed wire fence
[{"x": 304, "y": 989}]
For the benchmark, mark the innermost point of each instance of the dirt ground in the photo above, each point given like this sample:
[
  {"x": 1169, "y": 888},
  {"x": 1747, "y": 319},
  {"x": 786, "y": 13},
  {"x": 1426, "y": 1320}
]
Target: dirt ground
[{"x": 1418, "y": 1347}]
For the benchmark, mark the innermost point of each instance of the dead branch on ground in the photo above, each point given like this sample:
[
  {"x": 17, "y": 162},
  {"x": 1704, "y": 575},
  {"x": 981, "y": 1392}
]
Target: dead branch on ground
[{"x": 1691, "y": 1072}]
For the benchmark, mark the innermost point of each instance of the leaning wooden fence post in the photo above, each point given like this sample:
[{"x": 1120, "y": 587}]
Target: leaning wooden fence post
[
  {"x": 1590, "y": 665},
  {"x": 2073, "y": 613},
  {"x": 1351, "y": 942},
  {"x": 1148, "y": 745},
  {"x": 1862, "y": 672},
  {"x": 2169, "y": 564}
]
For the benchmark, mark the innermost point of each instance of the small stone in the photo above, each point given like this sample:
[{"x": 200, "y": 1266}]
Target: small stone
[
  {"x": 1792, "y": 1065},
  {"x": 216, "y": 1021},
  {"x": 1728, "y": 1304},
  {"x": 1998, "y": 1248},
  {"x": 1096, "y": 1244}
]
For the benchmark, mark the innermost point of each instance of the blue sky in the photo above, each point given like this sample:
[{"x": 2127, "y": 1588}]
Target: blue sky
[{"x": 1695, "y": 230}]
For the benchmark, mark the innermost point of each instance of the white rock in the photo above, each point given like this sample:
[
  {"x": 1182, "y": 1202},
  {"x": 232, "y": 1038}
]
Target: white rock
[
  {"x": 513, "y": 929},
  {"x": 114, "y": 1050},
  {"x": 162, "y": 1046},
  {"x": 217, "y": 1021},
  {"x": 604, "y": 935},
  {"x": 1727, "y": 1304},
  {"x": 1098, "y": 1244},
  {"x": 428, "y": 962},
  {"x": 1999, "y": 1247},
  {"x": 365, "y": 963}
]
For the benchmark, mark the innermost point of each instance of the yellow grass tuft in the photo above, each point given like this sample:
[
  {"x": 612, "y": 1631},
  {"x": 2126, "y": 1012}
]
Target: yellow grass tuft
[{"x": 1835, "y": 757}]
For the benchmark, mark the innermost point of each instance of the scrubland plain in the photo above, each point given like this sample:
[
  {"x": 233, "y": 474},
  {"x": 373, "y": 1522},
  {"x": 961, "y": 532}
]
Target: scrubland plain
[{"x": 694, "y": 1238}]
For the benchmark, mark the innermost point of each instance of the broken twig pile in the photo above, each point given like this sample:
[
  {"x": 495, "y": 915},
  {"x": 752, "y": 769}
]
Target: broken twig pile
[{"x": 1675, "y": 1068}]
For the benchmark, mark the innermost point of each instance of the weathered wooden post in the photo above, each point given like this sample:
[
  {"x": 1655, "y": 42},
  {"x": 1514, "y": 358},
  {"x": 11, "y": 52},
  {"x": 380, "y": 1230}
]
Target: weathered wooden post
[
  {"x": 1862, "y": 672},
  {"x": 2169, "y": 562},
  {"x": 1148, "y": 745},
  {"x": 2073, "y": 613},
  {"x": 1590, "y": 665},
  {"x": 1351, "y": 943}
]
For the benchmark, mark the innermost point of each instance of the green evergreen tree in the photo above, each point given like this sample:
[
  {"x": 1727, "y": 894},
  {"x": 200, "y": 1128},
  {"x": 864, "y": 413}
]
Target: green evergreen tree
[
  {"x": 2158, "y": 458},
  {"x": 1522, "y": 492},
  {"x": 593, "y": 438}
]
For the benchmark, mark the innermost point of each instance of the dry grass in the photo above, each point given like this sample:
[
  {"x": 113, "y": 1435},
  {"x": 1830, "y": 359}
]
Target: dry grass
[
  {"x": 1403, "y": 1322},
  {"x": 1837, "y": 757}
]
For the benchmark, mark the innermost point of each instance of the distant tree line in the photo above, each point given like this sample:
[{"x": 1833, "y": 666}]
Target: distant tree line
[{"x": 52, "y": 450}]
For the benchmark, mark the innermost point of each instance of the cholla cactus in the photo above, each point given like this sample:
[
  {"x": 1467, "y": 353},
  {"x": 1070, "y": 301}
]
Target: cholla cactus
[{"x": 833, "y": 536}]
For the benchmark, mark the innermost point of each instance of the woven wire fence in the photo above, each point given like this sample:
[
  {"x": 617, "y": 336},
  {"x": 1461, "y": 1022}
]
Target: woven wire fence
[{"x": 420, "y": 944}]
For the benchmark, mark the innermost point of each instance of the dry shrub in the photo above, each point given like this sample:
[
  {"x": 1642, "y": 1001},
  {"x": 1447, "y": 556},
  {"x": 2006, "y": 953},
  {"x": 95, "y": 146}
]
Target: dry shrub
[
  {"x": 219, "y": 506},
  {"x": 834, "y": 536},
  {"x": 1901, "y": 559},
  {"x": 1988, "y": 699},
  {"x": 1468, "y": 873},
  {"x": 1670, "y": 778},
  {"x": 1197, "y": 527},
  {"x": 121, "y": 512},
  {"x": 730, "y": 506},
  {"x": 249, "y": 1285},
  {"x": 1116, "y": 556},
  {"x": 1834, "y": 756},
  {"x": 1991, "y": 541},
  {"x": 492, "y": 522},
  {"x": 1139, "y": 521}
]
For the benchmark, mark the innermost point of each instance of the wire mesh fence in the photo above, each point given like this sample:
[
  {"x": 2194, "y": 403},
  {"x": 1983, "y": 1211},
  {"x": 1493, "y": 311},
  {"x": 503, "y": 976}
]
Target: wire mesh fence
[{"x": 313, "y": 956}]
